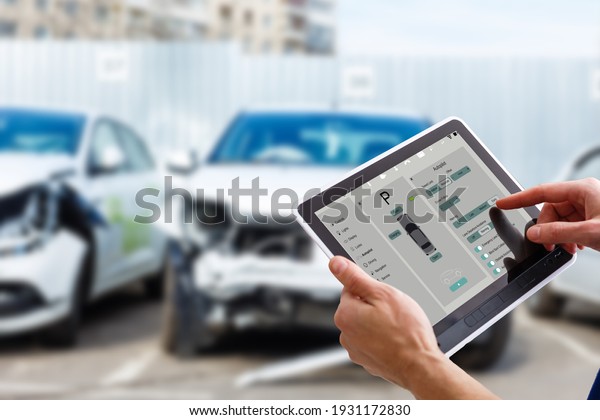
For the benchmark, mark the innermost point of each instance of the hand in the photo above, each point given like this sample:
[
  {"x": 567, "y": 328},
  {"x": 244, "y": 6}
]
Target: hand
[
  {"x": 518, "y": 244},
  {"x": 387, "y": 333},
  {"x": 570, "y": 215}
]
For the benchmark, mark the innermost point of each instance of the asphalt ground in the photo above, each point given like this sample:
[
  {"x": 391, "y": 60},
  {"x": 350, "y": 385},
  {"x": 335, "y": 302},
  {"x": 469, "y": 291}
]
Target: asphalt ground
[{"x": 119, "y": 357}]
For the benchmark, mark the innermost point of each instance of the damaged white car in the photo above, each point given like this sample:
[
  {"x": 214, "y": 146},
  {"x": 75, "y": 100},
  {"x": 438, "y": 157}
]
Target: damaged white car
[
  {"x": 67, "y": 205},
  {"x": 264, "y": 271}
]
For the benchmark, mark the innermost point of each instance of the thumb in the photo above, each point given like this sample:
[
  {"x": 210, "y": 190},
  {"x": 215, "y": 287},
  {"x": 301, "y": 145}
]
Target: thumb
[
  {"x": 582, "y": 233},
  {"x": 356, "y": 281}
]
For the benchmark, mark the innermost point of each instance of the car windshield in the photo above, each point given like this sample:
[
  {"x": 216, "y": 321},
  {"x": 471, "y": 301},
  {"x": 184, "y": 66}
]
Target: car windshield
[
  {"x": 313, "y": 139},
  {"x": 39, "y": 132}
]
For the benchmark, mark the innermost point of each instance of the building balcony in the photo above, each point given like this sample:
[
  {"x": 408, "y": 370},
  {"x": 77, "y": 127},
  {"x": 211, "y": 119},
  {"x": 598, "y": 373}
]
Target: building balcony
[
  {"x": 294, "y": 34},
  {"x": 191, "y": 13}
]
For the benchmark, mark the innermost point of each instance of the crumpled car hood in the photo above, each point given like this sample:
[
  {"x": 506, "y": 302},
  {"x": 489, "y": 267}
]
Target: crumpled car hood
[{"x": 22, "y": 170}]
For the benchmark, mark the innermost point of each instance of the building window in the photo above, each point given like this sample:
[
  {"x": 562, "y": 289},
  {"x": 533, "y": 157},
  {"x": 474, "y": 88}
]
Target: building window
[
  {"x": 7, "y": 29},
  {"x": 248, "y": 17},
  {"x": 320, "y": 39},
  {"x": 323, "y": 6},
  {"x": 101, "y": 13},
  {"x": 41, "y": 32},
  {"x": 71, "y": 7},
  {"x": 297, "y": 22},
  {"x": 225, "y": 13},
  {"x": 41, "y": 4}
]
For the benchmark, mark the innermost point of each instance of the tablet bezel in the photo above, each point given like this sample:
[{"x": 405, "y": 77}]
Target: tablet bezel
[{"x": 305, "y": 214}]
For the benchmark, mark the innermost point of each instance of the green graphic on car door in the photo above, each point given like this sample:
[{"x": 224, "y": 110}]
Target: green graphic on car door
[{"x": 135, "y": 235}]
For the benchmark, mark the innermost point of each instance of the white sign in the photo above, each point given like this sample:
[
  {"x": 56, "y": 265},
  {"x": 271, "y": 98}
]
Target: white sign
[
  {"x": 112, "y": 66},
  {"x": 358, "y": 82}
]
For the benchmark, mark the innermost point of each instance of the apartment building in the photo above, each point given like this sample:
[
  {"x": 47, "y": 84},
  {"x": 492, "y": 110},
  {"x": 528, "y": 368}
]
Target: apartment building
[
  {"x": 279, "y": 26},
  {"x": 260, "y": 26}
]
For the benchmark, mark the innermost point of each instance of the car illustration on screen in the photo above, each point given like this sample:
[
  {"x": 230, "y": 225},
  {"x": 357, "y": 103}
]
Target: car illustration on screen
[{"x": 416, "y": 234}]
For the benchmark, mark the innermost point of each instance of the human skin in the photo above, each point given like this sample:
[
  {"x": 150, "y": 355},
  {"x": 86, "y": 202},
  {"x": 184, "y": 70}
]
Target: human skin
[{"x": 387, "y": 332}]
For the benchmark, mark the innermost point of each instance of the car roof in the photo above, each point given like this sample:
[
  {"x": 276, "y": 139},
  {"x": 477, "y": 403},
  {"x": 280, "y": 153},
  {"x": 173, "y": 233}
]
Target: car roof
[
  {"x": 332, "y": 110},
  {"x": 36, "y": 107},
  {"x": 89, "y": 114}
]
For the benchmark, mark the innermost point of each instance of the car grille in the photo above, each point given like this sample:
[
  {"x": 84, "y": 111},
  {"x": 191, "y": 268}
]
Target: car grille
[
  {"x": 17, "y": 299},
  {"x": 273, "y": 241}
]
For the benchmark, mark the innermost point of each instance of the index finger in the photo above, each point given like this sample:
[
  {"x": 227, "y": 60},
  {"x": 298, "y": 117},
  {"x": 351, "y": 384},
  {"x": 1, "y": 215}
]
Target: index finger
[{"x": 545, "y": 193}]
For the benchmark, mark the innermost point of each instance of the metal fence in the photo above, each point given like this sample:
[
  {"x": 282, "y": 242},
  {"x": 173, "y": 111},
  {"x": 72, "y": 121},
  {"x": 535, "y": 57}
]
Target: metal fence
[{"x": 531, "y": 112}]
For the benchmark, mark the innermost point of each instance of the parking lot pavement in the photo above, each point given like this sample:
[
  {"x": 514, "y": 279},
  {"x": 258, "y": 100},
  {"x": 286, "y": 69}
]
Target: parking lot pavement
[{"x": 119, "y": 357}]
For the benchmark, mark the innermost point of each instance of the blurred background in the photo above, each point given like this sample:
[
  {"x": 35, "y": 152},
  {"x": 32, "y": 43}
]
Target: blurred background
[{"x": 101, "y": 98}]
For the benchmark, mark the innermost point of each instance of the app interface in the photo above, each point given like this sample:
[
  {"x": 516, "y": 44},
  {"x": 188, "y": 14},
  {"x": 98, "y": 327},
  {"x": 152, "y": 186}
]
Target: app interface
[{"x": 424, "y": 226}]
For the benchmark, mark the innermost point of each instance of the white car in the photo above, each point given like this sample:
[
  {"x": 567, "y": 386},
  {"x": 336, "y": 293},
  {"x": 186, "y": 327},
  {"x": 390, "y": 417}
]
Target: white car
[
  {"x": 67, "y": 234},
  {"x": 581, "y": 282}
]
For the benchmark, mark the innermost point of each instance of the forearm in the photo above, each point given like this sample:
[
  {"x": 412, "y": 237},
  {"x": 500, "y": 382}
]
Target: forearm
[{"x": 433, "y": 376}]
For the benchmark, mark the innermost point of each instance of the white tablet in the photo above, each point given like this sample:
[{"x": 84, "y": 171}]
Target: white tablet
[{"x": 422, "y": 218}]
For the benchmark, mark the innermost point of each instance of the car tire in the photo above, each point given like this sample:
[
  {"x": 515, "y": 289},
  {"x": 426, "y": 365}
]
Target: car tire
[
  {"x": 65, "y": 332},
  {"x": 482, "y": 354},
  {"x": 184, "y": 332},
  {"x": 546, "y": 303}
]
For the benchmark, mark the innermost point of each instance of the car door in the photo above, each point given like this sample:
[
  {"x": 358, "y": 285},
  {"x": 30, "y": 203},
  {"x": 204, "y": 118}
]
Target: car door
[
  {"x": 105, "y": 189},
  {"x": 143, "y": 245}
]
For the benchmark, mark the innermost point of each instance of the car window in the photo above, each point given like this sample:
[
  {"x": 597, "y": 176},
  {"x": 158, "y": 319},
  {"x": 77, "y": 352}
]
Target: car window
[
  {"x": 40, "y": 132},
  {"x": 313, "y": 138},
  {"x": 104, "y": 138},
  {"x": 137, "y": 153}
]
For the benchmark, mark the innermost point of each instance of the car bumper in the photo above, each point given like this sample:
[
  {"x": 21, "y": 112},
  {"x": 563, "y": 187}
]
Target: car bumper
[
  {"x": 34, "y": 320},
  {"x": 257, "y": 292},
  {"x": 35, "y": 287},
  {"x": 227, "y": 277}
]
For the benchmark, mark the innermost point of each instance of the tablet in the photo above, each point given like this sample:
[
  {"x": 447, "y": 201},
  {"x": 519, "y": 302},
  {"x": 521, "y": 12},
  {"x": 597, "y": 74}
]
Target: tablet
[{"x": 422, "y": 218}]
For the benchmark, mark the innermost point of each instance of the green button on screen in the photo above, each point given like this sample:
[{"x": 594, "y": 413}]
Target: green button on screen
[
  {"x": 460, "y": 173},
  {"x": 396, "y": 211},
  {"x": 458, "y": 284},
  {"x": 394, "y": 234},
  {"x": 435, "y": 257}
]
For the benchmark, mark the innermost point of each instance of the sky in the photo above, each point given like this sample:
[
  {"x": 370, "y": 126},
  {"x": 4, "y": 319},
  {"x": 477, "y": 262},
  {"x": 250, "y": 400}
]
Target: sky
[{"x": 470, "y": 27}]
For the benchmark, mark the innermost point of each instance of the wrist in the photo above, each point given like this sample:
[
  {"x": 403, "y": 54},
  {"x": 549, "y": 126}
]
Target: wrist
[
  {"x": 424, "y": 366},
  {"x": 434, "y": 376}
]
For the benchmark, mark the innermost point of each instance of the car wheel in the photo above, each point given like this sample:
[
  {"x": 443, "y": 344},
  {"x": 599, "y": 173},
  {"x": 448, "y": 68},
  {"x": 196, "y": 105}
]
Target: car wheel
[
  {"x": 546, "y": 303},
  {"x": 65, "y": 332},
  {"x": 483, "y": 352},
  {"x": 184, "y": 330}
]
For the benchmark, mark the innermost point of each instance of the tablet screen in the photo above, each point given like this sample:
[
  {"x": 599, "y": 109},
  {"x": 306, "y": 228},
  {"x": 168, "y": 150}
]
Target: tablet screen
[{"x": 424, "y": 227}]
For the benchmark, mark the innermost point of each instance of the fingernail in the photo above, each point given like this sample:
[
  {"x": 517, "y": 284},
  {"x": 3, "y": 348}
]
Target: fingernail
[
  {"x": 533, "y": 233},
  {"x": 338, "y": 265}
]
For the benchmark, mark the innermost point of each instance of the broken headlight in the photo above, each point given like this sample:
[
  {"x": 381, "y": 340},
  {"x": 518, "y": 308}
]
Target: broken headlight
[{"x": 28, "y": 219}]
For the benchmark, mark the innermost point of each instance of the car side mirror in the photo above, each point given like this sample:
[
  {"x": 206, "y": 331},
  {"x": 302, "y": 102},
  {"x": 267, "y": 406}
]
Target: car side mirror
[
  {"x": 111, "y": 159},
  {"x": 183, "y": 162}
]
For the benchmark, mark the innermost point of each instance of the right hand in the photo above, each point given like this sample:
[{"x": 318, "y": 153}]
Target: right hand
[{"x": 570, "y": 215}]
